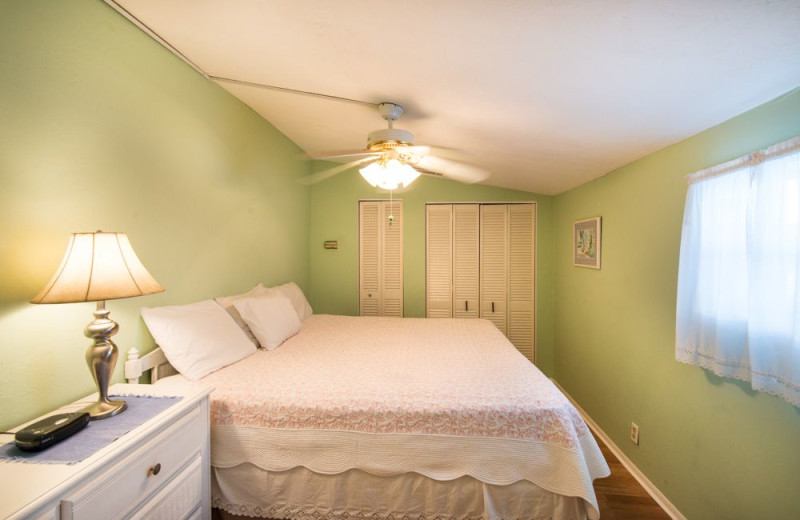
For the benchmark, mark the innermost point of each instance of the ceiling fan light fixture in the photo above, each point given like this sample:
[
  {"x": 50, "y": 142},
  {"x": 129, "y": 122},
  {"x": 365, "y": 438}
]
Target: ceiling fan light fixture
[
  {"x": 393, "y": 158},
  {"x": 389, "y": 175}
]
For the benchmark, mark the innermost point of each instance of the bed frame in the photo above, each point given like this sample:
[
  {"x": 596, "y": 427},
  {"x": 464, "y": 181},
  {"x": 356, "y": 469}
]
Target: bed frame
[{"x": 155, "y": 362}]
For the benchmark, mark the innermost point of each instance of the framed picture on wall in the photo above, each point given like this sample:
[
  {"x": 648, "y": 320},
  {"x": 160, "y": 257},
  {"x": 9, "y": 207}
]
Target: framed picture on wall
[{"x": 586, "y": 243}]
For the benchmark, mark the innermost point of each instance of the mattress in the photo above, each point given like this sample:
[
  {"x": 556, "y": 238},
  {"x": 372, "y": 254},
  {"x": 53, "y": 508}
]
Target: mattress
[{"x": 387, "y": 398}]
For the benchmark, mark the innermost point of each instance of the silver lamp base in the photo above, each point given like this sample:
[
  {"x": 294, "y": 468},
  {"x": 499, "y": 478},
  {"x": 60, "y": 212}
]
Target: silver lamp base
[
  {"x": 101, "y": 356},
  {"x": 105, "y": 409}
]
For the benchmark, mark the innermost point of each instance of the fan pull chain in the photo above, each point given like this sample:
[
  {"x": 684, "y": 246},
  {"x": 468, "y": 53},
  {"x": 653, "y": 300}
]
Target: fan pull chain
[{"x": 391, "y": 208}]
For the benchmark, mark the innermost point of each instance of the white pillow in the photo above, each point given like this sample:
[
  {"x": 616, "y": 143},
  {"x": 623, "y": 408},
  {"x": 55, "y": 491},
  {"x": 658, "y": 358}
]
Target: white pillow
[
  {"x": 298, "y": 299},
  {"x": 197, "y": 338},
  {"x": 271, "y": 318},
  {"x": 228, "y": 301}
]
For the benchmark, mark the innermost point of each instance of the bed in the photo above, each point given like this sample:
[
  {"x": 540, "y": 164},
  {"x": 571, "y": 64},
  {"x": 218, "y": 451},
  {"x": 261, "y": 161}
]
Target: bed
[{"x": 389, "y": 418}]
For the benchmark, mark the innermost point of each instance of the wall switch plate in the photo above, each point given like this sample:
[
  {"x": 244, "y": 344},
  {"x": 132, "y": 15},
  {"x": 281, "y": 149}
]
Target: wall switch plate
[{"x": 635, "y": 433}]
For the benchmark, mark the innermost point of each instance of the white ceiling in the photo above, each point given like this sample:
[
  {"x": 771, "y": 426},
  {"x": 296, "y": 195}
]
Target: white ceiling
[{"x": 545, "y": 94}]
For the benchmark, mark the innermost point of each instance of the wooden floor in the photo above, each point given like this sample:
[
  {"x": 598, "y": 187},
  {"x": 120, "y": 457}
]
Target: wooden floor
[{"x": 621, "y": 497}]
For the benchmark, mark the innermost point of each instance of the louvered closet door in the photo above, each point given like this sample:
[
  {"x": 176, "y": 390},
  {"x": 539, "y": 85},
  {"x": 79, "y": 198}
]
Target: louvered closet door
[
  {"x": 370, "y": 258},
  {"x": 466, "y": 260},
  {"x": 521, "y": 226},
  {"x": 439, "y": 260},
  {"x": 494, "y": 264},
  {"x": 392, "y": 275},
  {"x": 380, "y": 258}
]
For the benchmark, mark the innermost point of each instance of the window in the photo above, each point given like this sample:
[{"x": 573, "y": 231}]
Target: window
[{"x": 738, "y": 311}]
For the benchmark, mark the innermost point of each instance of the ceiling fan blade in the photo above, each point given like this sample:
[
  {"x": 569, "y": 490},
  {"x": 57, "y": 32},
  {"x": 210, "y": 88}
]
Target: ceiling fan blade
[
  {"x": 343, "y": 154},
  {"x": 454, "y": 170},
  {"x": 330, "y": 172},
  {"x": 442, "y": 152}
]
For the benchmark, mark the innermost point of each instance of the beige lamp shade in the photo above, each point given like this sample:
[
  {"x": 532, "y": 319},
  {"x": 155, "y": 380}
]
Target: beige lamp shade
[{"x": 98, "y": 266}]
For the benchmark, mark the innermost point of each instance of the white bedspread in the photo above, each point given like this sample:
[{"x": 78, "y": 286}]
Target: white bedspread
[{"x": 387, "y": 396}]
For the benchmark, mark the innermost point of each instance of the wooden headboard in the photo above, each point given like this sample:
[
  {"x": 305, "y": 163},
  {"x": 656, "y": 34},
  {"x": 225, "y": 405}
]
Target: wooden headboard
[{"x": 154, "y": 361}]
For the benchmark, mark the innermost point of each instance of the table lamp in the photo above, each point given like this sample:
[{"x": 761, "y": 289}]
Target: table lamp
[{"x": 97, "y": 267}]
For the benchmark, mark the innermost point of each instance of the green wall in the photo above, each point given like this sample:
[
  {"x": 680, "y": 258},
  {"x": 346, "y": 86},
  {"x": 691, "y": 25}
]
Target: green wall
[
  {"x": 714, "y": 447},
  {"x": 334, "y": 216},
  {"x": 102, "y": 128}
]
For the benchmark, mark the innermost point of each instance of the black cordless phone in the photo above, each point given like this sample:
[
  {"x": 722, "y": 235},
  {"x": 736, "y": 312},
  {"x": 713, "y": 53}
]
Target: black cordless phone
[{"x": 50, "y": 430}]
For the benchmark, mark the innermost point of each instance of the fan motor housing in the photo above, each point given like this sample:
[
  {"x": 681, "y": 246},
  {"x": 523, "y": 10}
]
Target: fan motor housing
[{"x": 389, "y": 138}]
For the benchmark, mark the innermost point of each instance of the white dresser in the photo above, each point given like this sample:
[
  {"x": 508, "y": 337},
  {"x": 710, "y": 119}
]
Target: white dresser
[{"x": 158, "y": 470}]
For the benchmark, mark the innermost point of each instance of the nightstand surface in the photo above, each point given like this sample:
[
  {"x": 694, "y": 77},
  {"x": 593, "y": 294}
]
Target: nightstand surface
[{"x": 117, "y": 480}]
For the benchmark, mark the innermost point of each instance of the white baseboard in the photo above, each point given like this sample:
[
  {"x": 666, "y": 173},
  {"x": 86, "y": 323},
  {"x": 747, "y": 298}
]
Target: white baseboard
[{"x": 648, "y": 486}]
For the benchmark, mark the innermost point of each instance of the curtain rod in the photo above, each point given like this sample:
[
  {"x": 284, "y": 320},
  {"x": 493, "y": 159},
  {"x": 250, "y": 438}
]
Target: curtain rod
[{"x": 757, "y": 157}]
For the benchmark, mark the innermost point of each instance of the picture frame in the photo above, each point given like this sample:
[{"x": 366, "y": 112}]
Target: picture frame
[{"x": 587, "y": 242}]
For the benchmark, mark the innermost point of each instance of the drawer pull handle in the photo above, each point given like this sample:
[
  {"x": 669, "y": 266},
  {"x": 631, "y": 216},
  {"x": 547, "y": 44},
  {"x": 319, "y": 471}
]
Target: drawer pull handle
[{"x": 155, "y": 470}]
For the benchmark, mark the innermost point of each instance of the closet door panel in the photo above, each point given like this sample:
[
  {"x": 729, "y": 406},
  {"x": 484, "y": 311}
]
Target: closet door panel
[
  {"x": 392, "y": 290},
  {"x": 466, "y": 260},
  {"x": 369, "y": 280},
  {"x": 520, "y": 327},
  {"x": 521, "y": 277},
  {"x": 494, "y": 263},
  {"x": 439, "y": 261},
  {"x": 380, "y": 282}
]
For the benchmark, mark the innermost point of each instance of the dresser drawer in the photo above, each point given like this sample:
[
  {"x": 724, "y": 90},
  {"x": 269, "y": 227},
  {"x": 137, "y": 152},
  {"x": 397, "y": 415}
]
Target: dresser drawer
[
  {"x": 126, "y": 486},
  {"x": 180, "y": 499}
]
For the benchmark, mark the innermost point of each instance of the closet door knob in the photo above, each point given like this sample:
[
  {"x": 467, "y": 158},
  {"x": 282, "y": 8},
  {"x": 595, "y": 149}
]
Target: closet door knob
[{"x": 155, "y": 470}]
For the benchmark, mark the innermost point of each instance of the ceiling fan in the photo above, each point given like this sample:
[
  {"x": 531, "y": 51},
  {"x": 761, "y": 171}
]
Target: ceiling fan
[{"x": 391, "y": 159}]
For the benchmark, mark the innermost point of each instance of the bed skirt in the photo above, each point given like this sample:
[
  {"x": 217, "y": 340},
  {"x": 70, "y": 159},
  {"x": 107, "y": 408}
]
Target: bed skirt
[{"x": 301, "y": 494}]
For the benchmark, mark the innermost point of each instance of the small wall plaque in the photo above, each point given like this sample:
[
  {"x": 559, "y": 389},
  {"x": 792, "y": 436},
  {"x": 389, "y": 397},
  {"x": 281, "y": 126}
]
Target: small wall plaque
[{"x": 331, "y": 244}]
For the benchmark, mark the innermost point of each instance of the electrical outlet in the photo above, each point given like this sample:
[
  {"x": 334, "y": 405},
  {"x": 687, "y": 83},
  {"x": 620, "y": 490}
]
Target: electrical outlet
[{"x": 635, "y": 433}]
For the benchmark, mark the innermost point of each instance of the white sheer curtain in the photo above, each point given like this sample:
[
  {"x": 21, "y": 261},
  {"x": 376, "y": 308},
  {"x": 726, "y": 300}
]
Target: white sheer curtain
[{"x": 738, "y": 311}]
